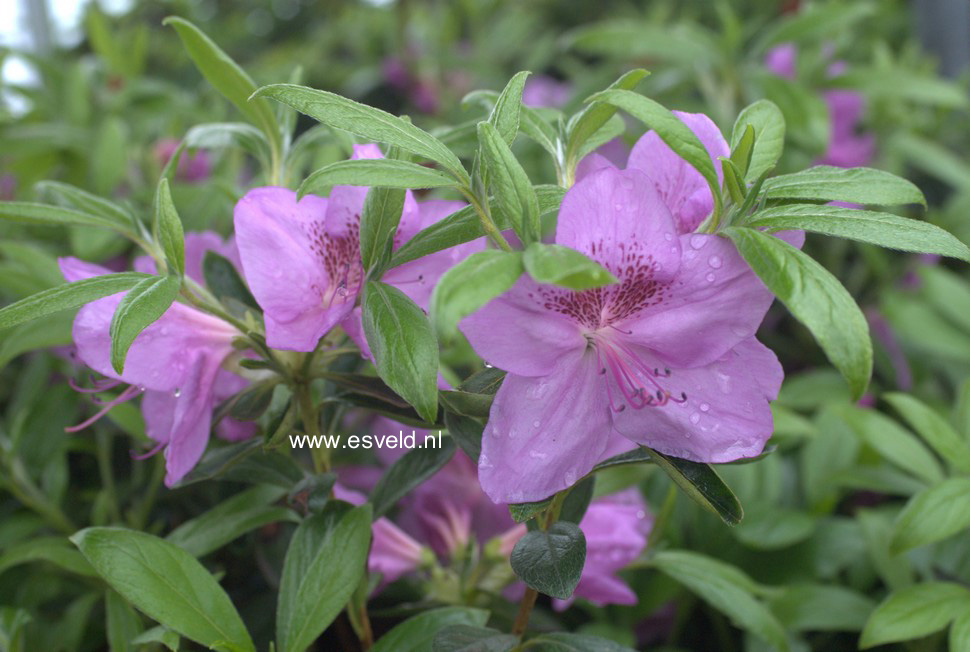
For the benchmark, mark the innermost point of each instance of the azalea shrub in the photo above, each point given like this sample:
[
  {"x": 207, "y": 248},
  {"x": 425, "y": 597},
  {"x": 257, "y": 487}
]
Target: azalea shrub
[{"x": 600, "y": 364}]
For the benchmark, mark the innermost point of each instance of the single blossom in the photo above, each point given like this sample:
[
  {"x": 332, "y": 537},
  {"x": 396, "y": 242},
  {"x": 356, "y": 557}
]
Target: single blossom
[
  {"x": 847, "y": 146},
  {"x": 177, "y": 363},
  {"x": 193, "y": 167},
  {"x": 543, "y": 91},
  {"x": 666, "y": 357},
  {"x": 302, "y": 258}
]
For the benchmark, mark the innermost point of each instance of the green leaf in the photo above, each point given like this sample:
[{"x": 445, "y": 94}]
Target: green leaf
[
  {"x": 33, "y": 214},
  {"x": 160, "y": 635},
  {"x": 383, "y": 172},
  {"x": 883, "y": 229},
  {"x": 586, "y": 123},
  {"x": 324, "y": 563},
  {"x": 812, "y": 23},
  {"x": 417, "y": 632},
  {"x": 551, "y": 561},
  {"x": 934, "y": 429},
  {"x": 404, "y": 346},
  {"x": 167, "y": 584},
  {"x": 142, "y": 306},
  {"x": 69, "y": 295},
  {"x": 467, "y": 638},
  {"x": 638, "y": 455},
  {"x": 245, "y": 511},
  {"x": 466, "y": 403},
  {"x": 471, "y": 284},
  {"x": 226, "y": 76},
  {"x": 522, "y": 512},
  {"x": 568, "y": 268},
  {"x": 820, "y": 608},
  {"x": 857, "y": 185},
  {"x": 83, "y": 201},
  {"x": 467, "y": 433},
  {"x": 960, "y": 632},
  {"x": 702, "y": 484},
  {"x": 894, "y": 443},
  {"x": 732, "y": 180},
  {"x": 672, "y": 131},
  {"x": 223, "y": 280},
  {"x": 915, "y": 612},
  {"x": 167, "y": 229},
  {"x": 365, "y": 121},
  {"x": 769, "y": 130},
  {"x": 901, "y": 84},
  {"x": 815, "y": 298},
  {"x": 725, "y": 588},
  {"x": 510, "y": 184},
  {"x": 221, "y": 135},
  {"x": 407, "y": 472},
  {"x": 122, "y": 624},
  {"x": 933, "y": 515},
  {"x": 45, "y": 334},
  {"x": 379, "y": 220},
  {"x": 505, "y": 113},
  {"x": 774, "y": 528},
  {"x": 464, "y": 225}
]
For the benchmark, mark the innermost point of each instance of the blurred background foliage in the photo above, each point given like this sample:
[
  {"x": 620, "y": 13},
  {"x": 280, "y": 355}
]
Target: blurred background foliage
[{"x": 101, "y": 111}]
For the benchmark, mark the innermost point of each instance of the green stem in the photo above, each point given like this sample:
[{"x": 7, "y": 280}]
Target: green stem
[
  {"x": 139, "y": 517},
  {"x": 487, "y": 223},
  {"x": 321, "y": 455},
  {"x": 103, "y": 442},
  {"x": 24, "y": 490}
]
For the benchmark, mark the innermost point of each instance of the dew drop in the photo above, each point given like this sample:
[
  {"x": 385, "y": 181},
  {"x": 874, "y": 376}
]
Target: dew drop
[
  {"x": 512, "y": 433},
  {"x": 694, "y": 418},
  {"x": 536, "y": 423},
  {"x": 697, "y": 241},
  {"x": 177, "y": 392},
  {"x": 714, "y": 261},
  {"x": 668, "y": 236},
  {"x": 537, "y": 455},
  {"x": 618, "y": 206},
  {"x": 704, "y": 407},
  {"x": 570, "y": 477},
  {"x": 710, "y": 277}
]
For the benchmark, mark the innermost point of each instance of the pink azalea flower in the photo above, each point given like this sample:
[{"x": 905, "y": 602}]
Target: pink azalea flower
[
  {"x": 176, "y": 362},
  {"x": 666, "y": 357},
  {"x": 846, "y": 148},
  {"x": 302, "y": 259}
]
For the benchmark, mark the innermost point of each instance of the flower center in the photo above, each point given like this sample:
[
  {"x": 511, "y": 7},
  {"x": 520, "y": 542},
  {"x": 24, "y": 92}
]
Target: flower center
[
  {"x": 639, "y": 385},
  {"x": 340, "y": 256}
]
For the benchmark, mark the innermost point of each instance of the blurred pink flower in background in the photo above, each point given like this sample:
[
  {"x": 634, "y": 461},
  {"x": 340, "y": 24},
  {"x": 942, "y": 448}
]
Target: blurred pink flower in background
[{"x": 194, "y": 167}]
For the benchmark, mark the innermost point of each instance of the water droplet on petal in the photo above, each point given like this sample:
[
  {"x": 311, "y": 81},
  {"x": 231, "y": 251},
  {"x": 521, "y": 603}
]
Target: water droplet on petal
[
  {"x": 697, "y": 241},
  {"x": 694, "y": 418},
  {"x": 570, "y": 477},
  {"x": 536, "y": 424},
  {"x": 537, "y": 455},
  {"x": 704, "y": 407},
  {"x": 618, "y": 206},
  {"x": 710, "y": 277},
  {"x": 668, "y": 236},
  {"x": 512, "y": 433},
  {"x": 177, "y": 392},
  {"x": 714, "y": 261}
]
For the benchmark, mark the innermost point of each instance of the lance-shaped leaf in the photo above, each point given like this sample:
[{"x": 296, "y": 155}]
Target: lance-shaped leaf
[
  {"x": 508, "y": 181},
  {"x": 167, "y": 228},
  {"x": 68, "y": 295},
  {"x": 672, "y": 131},
  {"x": 404, "y": 346},
  {"x": 568, "y": 268},
  {"x": 223, "y": 280},
  {"x": 856, "y": 185},
  {"x": 915, "y": 612},
  {"x": 933, "y": 428},
  {"x": 365, "y": 121},
  {"x": 471, "y": 284},
  {"x": 385, "y": 172},
  {"x": 551, "y": 561},
  {"x": 768, "y": 125},
  {"x": 815, "y": 298},
  {"x": 702, "y": 484},
  {"x": 84, "y": 201},
  {"x": 379, "y": 220},
  {"x": 46, "y": 215},
  {"x": 324, "y": 563},
  {"x": 508, "y": 106},
  {"x": 167, "y": 584},
  {"x": 417, "y": 633},
  {"x": 932, "y": 515},
  {"x": 883, "y": 229},
  {"x": 586, "y": 123},
  {"x": 139, "y": 309},
  {"x": 226, "y": 76}
]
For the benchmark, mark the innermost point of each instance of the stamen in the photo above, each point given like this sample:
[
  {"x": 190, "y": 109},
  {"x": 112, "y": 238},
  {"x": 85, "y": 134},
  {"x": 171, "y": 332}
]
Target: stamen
[
  {"x": 129, "y": 393},
  {"x": 145, "y": 456},
  {"x": 98, "y": 386}
]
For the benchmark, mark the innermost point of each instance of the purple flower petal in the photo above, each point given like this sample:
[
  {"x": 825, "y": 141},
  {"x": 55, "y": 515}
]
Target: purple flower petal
[
  {"x": 541, "y": 436},
  {"x": 684, "y": 190},
  {"x": 726, "y": 415}
]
